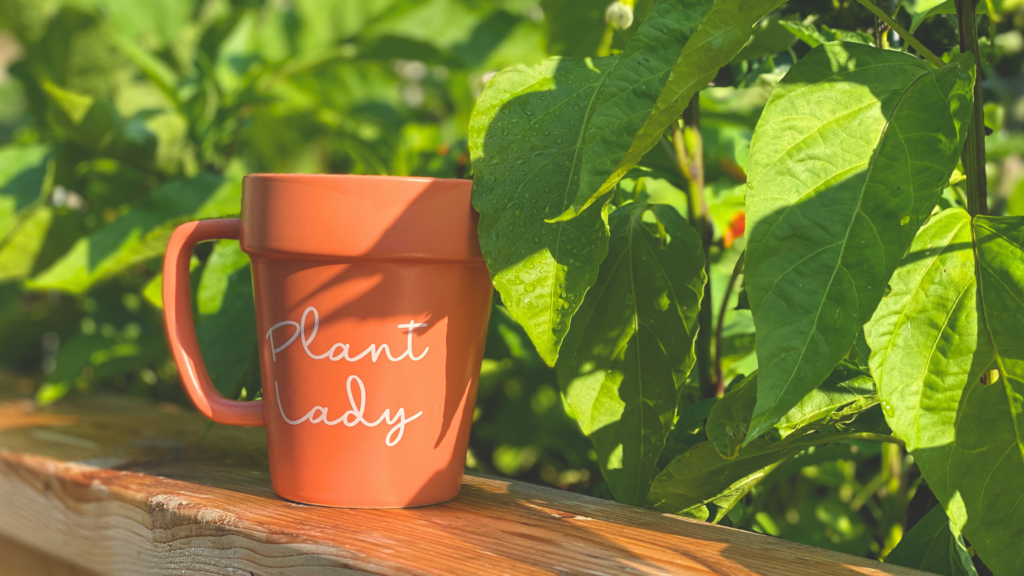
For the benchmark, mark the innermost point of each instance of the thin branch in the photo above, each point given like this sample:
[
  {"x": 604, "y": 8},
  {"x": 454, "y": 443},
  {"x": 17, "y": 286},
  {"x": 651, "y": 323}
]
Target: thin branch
[
  {"x": 973, "y": 155},
  {"x": 689, "y": 149},
  {"x": 872, "y": 437},
  {"x": 736, "y": 271}
]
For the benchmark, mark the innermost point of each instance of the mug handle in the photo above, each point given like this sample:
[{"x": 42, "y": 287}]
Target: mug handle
[{"x": 181, "y": 331}]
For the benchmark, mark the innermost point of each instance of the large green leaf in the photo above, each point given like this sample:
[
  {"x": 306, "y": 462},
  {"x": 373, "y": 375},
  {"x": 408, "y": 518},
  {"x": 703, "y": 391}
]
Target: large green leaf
[
  {"x": 524, "y": 141},
  {"x": 631, "y": 344},
  {"x": 848, "y": 160},
  {"x": 987, "y": 462},
  {"x": 141, "y": 234},
  {"x": 932, "y": 546},
  {"x": 924, "y": 342},
  {"x": 548, "y": 141}
]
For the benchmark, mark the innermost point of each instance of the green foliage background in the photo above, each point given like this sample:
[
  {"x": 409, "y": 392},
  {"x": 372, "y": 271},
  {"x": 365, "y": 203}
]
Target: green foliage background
[{"x": 120, "y": 119}]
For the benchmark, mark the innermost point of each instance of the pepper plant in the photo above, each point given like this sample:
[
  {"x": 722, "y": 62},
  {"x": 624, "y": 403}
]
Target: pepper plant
[{"x": 887, "y": 309}]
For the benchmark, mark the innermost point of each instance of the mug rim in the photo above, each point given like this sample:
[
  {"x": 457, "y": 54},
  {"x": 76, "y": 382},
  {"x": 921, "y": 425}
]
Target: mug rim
[
  {"x": 356, "y": 216},
  {"x": 299, "y": 176}
]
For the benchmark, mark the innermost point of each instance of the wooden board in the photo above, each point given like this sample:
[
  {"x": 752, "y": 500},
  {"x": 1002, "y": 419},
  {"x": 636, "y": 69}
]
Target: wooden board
[
  {"x": 117, "y": 486},
  {"x": 19, "y": 560}
]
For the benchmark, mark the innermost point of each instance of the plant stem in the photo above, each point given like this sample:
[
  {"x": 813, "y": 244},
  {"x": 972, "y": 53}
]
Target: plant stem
[
  {"x": 973, "y": 156},
  {"x": 722, "y": 311},
  {"x": 928, "y": 55},
  {"x": 868, "y": 490},
  {"x": 871, "y": 437},
  {"x": 689, "y": 149}
]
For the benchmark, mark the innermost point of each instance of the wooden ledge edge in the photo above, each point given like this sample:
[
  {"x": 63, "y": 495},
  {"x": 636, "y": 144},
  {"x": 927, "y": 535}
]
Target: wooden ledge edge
[{"x": 96, "y": 495}]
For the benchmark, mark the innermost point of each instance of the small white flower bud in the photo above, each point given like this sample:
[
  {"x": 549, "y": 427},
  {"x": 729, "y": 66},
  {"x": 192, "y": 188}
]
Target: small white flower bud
[{"x": 619, "y": 15}]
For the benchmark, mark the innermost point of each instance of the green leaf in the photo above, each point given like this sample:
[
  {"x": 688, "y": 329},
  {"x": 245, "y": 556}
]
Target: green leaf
[
  {"x": 72, "y": 358},
  {"x": 74, "y": 106},
  {"x": 947, "y": 7},
  {"x": 688, "y": 430},
  {"x": 141, "y": 234},
  {"x": 845, "y": 393},
  {"x": 548, "y": 141},
  {"x": 848, "y": 160},
  {"x": 810, "y": 34},
  {"x": 987, "y": 463},
  {"x": 861, "y": 352},
  {"x": 324, "y": 23},
  {"x": 523, "y": 175},
  {"x": 805, "y": 31},
  {"x": 154, "y": 68},
  {"x": 153, "y": 290},
  {"x": 155, "y": 22},
  {"x": 226, "y": 327},
  {"x": 96, "y": 124},
  {"x": 631, "y": 344},
  {"x": 25, "y": 178},
  {"x": 729, "y": 419},
  {"x": 442, "y": 24},
  {"x": 924, "y": 342},
  {"x": 20, "y": 248},
  {"x": 932, "y": 546},
  {"x": 702, "y": 484},
  {"x": 770, "y": 36},
  {"x": 574, "y": 27}
]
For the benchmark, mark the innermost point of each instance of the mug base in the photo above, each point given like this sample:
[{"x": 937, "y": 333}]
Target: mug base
[{"x": 356, "y": 506}]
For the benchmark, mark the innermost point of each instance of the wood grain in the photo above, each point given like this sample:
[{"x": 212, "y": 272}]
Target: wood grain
[
  {"x": 118, "y": 486},
  {"x": 19, "y": 560}
]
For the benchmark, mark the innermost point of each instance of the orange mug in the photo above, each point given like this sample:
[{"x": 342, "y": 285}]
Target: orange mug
[{"x": 372, "y": 301}]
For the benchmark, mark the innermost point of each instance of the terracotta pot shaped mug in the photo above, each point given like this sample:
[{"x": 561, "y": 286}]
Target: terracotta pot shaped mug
[{"x": 372, "y": 302}]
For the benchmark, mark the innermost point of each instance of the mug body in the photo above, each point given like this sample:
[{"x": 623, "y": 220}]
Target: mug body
[{"x": 372, "y": 303}]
